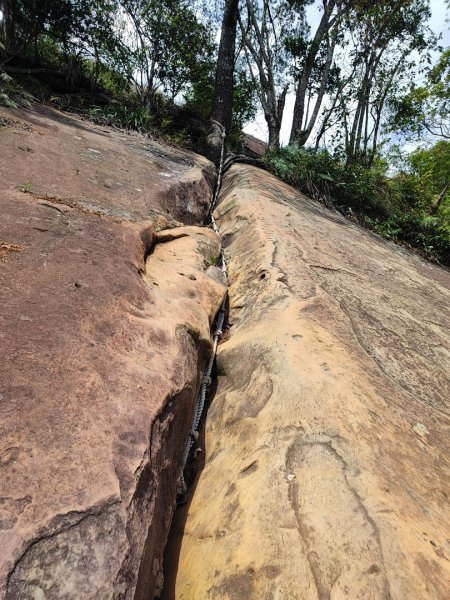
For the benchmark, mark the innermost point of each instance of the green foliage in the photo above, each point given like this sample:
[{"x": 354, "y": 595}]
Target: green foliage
[
  {"x": 121, "y": 62},
  {"x": 424, "y": 110},
  {"x": 325, "y": 177},
  {"x": 431, "y": 166},
  {"x": 77, "y": 26},
  {"x": 123, "y": 115},
  {"x": 423, "y": 180},
  {"x": 428, "y": 234},
  {"x": 167, "y": 46},
  {"x": 398, "y": 207},
  {"x": 244, "y": 107},
  {"x": 12, "y": 95},
  {"x": 146, "y": 46},
  {"x": 199, "y": 100},
  {"x": 26, "y": 187}
]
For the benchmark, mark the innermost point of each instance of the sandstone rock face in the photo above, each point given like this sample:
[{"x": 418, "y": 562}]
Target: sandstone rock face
[
  {"x": 105, "y": 317},
  {"x": 96, "y": 169},
  {"x": 327, "y": 466}
]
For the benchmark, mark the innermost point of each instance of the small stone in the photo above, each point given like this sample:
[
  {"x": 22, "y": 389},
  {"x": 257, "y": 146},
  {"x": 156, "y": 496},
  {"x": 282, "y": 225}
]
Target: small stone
[{"x": 420, "y": 429}]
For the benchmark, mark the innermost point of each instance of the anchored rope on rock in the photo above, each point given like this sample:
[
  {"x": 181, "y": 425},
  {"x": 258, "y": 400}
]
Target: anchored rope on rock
[
  {"x": 220, "y": 319},
  {"x": 220, "y": 174}
]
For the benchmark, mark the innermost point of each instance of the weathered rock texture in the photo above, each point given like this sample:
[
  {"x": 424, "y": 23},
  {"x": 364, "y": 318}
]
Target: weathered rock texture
[
  {"x": 327, "y": 467},
  {"x": 105, "y": 320}
]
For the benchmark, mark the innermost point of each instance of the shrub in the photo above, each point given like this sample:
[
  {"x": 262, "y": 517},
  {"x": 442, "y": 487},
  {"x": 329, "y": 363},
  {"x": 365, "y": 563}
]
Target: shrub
[
  {"x": 426, "y": 233},
  {"x": 123, "y": 115},
  {"x": 12, "y": 95},
  {"x": 324, "y": 177},
  {"x": 395, "y": 207}
]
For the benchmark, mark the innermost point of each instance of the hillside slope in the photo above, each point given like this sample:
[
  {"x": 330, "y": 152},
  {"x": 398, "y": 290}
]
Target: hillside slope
[{"x": 326, "y": 447}]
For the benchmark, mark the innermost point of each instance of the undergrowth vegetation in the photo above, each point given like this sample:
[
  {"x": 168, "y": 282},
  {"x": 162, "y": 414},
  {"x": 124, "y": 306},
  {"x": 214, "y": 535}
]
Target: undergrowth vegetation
[
  {"x": 409, "y": 207},
  {"x": 146, "y": 66}
]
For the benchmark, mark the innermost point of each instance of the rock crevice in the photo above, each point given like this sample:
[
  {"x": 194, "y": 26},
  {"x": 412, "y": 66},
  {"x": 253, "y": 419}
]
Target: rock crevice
[{"x": 104, "y": 331}]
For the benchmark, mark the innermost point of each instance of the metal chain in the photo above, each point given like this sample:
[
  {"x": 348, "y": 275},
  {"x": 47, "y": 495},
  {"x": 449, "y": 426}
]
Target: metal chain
[{"x": 206, "y": 380}]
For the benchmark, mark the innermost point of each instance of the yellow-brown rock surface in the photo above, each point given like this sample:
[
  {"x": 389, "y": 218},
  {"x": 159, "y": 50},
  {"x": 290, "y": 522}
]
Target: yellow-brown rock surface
[{"x": 327, "y": 444}]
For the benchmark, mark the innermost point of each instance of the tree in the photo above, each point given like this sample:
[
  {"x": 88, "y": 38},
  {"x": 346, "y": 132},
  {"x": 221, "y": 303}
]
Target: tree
[
  {"x": 382, "y": 41},
  {"x": 76, "y": 25},
  {"x": 168, "y": 47},
  {"x": 387, "y": 33},
  {"x": 8, "y": 9},
  {"x": 425, "y": 110},
  {"x": 264, "y": 31},
  {"x": 432, "y": 168},
  {"x": 223, "y": 98},
  {"x": 222, "y": 112},
  {"x": 324, "y": 40}
]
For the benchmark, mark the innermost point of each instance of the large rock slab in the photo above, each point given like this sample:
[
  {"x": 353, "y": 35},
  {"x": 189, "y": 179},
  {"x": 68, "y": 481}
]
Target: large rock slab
[
  {"x": 98, "y": 169},
  {"x": 104, "y": 330},
  {"x": 327, "y": 445}
]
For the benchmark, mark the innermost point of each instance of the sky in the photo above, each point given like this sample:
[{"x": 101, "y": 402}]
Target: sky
[{"x": 258, "y": 128}]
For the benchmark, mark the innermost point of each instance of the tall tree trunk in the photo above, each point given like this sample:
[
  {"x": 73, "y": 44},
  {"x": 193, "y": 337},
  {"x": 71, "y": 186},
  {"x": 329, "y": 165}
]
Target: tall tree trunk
[
  {"x": 274, "y": 134},
  {"x": 256, "y": 44},
  {"x": 437, "y": 203},
  {"x": 303, "y": 86},
  {"x": 309, "y": 124},
  {"x": 8, "y": 9},
  {"x": 223, "y": 99}
]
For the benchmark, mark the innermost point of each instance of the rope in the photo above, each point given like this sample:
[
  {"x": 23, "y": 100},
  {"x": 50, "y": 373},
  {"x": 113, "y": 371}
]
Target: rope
[
  {"x": 220, "y": 174},
  {"x": 206, "y": 380}
]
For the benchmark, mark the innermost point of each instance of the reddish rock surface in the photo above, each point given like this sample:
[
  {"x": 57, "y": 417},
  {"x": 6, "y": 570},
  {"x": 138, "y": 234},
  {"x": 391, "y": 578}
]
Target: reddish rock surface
[
  {"x": 101, "y": 351},
  {"x": 52, "y": 154}
]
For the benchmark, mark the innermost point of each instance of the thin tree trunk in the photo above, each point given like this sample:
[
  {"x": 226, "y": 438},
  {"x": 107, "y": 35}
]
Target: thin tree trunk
[
  {"x": 376, "y": 129},
  {"x": 308, "y": 103},
  {"x": 299, "y": 107},
  {"x": 280, "y": 110},
  {"x": 8, "y": 8},
  {"x": 258, "y": 48},
  {"x": 362, "y": 115},
  {"x": 435, "y": 206},
  {"x": 223, "y": 99},
  {"x": 309, "y": 125},
  {"x": 366, "y": 130}
]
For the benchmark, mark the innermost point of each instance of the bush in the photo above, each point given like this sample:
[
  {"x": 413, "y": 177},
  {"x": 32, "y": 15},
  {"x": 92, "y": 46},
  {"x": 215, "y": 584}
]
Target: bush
[
  {"x": 324, "y": 177},
  {"x": 394, "y": 207},
  {"x": 122, "y": 115},
  {"x": 428, "y": 234},
  {"x": 12, "y": 95}
]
